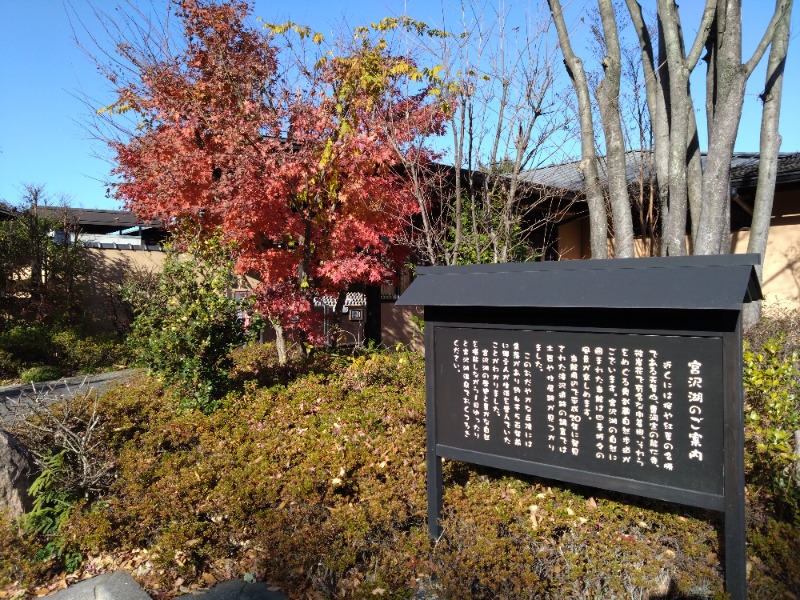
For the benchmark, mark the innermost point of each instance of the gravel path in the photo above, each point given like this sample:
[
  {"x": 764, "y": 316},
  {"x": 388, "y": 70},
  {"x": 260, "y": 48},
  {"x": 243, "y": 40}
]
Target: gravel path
[{"x": 16, "y": 397}]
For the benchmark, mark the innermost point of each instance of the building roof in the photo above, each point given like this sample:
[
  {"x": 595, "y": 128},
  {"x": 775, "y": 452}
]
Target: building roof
[
  {"x": 97, "y": 220},
  {"x": 568, "y": 176},
  {"x": 6, "y": 212}
]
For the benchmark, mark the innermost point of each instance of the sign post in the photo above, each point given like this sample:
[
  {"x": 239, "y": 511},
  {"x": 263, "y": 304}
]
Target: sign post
[{"x": 623, "y": 374}]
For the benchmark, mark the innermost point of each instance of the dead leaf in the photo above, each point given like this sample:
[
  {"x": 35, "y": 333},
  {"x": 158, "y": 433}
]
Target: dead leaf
[
  {"x": 591, "y": 504},
  {"x": 534, "y": 521},
  {"x": 208, "y": 579}
]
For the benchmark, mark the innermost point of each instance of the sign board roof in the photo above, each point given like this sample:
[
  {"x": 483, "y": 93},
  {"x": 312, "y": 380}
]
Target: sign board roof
[{"x": 689, "y": 283}]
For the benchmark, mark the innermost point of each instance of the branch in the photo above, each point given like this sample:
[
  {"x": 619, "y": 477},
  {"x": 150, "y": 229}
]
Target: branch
[
  {"x": 782, "y": 8},
  {"x": 709, "y": 12}
]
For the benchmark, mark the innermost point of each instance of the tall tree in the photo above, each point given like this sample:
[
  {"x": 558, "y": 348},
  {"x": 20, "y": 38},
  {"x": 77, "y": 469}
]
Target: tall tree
[
  {"x": 42, "y": 276},
  {"x": 684, "y": 187},
  {"x": 283, "y": 148},
  {"x": 495, "y": 74}
]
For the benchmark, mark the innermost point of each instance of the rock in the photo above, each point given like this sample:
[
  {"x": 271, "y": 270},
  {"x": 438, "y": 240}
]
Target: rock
[
  {"x": 16, "y": 476},
  {"x": 110, "y": 586}
]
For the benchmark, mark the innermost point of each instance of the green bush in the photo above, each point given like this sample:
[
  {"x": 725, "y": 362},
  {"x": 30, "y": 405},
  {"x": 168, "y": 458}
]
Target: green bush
[
  {"x": 29, "y": 346},
  {"x": 772, "y": 413},
  {"x": 40, "y": 374},
  {"x": 188, "y": 329},
  {"x": 87, "y": 354},
  {"x": 28, "y": 343},
  {"x": 9, "y": 365}
]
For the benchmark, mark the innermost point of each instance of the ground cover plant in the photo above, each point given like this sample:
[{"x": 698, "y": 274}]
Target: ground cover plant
[
  {"x": 311, "y": 475},
  {"x": 32, "y": 351}
]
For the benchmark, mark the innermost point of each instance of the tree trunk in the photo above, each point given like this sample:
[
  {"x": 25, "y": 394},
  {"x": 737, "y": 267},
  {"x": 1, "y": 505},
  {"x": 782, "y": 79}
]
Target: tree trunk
[
  {"x": 674, "y": 227},
  {"x": 657, "y": 89},
  {"x": 726, "y": 86},
  {"x": 617, "y": 172},
  {"x": 598, "y": 219},
  {"x": 280, "y": 342},
  {"x": 770, "y": 144},
  {"x": 694, "y": 175}
]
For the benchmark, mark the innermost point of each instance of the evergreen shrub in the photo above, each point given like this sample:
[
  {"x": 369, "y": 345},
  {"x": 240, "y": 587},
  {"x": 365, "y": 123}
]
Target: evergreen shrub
[
  {"x": 187, "y": 330},
  {"x": 40, "y": 374}
]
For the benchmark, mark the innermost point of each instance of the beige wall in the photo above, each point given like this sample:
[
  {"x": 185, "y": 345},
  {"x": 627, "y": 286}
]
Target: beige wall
[
  {"x": 781, "y": 277},
  {"x": 108, "y": 270},
  {"x": 397, "y": 326}
]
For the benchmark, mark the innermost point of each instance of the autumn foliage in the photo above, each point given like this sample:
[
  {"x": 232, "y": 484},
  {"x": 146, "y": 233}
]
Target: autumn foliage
[{"x": 295, "y": 162}]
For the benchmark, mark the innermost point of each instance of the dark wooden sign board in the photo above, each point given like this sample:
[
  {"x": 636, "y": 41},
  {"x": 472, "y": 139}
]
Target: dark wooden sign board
[{"x": 624, "y": 375}]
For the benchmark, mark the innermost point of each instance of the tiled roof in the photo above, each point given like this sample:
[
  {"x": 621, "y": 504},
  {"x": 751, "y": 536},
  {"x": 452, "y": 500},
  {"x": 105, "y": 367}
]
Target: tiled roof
[
  {"x": 112, "y": 219},
  {"x": 744, "y": 170},
  {"x": 351, "y": 299}
]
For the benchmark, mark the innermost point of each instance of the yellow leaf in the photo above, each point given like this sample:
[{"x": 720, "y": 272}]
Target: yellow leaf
[
  {"x": 318, "y": 38},
  {"x": 400, "y": 68}
]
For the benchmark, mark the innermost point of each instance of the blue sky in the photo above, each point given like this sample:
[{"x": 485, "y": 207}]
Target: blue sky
[{"x": 44, "y": 137}]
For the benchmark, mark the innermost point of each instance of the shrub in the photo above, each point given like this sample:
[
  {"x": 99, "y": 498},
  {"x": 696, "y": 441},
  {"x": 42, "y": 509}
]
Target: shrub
[
  {"x": 772, "y": 412},
  {"x": 24, "y": 346},
  {"x": 187, "y": 330},
  {"x": 18, "y": 563},
  {"x": 318, "y": 483},
  {"x": 40, "y": 373},
  {"x": 87, "y": 354},
  {"x": 69, "y": 442},
  {"x": 259, "y": 365},
  {"x": 29, "y": 343},
  {"x": 9, "y": 365}
]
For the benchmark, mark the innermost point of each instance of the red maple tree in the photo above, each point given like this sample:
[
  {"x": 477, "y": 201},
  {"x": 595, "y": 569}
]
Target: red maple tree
[{"x": 301, "y": 175}]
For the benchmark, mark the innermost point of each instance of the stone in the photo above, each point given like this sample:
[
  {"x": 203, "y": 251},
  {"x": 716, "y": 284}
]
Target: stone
[
  {"x": 16, "y": 476},
  {"x": 118, "y": 585}
]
